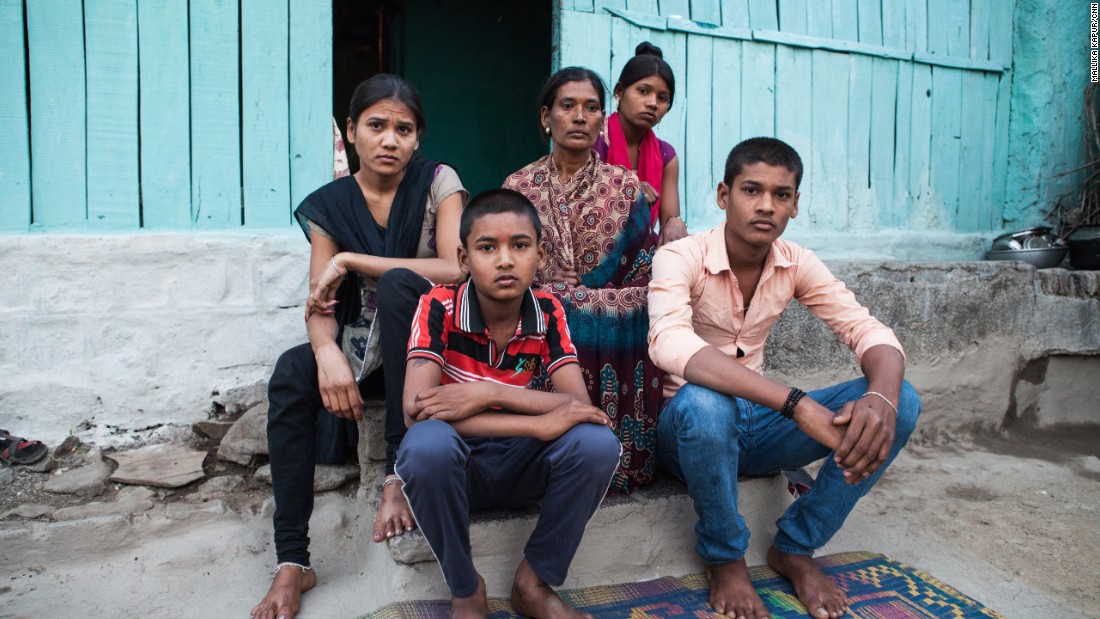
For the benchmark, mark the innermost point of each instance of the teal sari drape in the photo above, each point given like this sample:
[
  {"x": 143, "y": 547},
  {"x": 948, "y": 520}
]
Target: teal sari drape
[{"x": 597, "y": 224}]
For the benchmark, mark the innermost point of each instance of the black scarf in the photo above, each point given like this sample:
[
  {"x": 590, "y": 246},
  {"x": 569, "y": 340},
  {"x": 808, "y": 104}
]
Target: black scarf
[{"x": 340, "y": 210}]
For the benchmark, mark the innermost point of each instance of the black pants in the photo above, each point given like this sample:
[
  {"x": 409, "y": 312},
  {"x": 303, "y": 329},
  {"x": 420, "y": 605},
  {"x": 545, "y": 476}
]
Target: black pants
[{"x": 295, "y": 410}]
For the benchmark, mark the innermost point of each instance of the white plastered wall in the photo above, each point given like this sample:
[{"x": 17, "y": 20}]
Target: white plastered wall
[
  {"x": 131, "y": 338},
  {"x": 126, "y": 337}
]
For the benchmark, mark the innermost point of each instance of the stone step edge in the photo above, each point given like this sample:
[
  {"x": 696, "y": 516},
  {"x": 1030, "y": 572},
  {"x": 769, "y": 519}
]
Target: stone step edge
[{"x": 761, "y": 500}]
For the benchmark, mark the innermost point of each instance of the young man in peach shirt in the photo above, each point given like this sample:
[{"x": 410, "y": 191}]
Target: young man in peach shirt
[{"x": 712, "y": 300}]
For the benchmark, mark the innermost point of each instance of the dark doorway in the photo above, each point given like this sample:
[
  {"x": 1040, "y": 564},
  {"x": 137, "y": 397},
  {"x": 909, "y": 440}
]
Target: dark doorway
[
  {"x": 478, "y": 67},
  {"x": 361, "y": 34}
]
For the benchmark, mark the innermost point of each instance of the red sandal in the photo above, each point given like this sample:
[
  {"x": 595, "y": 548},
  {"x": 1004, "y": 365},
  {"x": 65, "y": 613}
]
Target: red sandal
[{"x": 16, "y": 450}]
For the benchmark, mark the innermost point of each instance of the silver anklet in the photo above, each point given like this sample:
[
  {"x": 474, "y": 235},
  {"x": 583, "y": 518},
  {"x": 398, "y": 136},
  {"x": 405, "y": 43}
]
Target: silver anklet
[{"x": 304, "y": 568}]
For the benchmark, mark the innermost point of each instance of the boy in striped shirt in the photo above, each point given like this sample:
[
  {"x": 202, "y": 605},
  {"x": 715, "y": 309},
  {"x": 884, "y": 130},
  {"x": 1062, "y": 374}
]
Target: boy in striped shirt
[{"x": 478, "y": 437}]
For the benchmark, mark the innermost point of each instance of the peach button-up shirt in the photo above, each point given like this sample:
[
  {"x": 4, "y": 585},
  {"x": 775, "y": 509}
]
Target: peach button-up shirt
[{"x": 694, "y": 302}]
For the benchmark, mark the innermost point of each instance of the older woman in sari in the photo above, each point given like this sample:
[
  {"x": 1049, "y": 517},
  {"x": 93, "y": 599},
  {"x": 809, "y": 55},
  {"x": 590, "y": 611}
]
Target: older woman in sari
[{"x": 597, "y": 224}]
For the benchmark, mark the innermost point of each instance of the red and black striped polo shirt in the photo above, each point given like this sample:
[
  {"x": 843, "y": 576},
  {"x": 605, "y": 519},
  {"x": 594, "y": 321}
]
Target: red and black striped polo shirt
[{"x": 449, "y": 329}]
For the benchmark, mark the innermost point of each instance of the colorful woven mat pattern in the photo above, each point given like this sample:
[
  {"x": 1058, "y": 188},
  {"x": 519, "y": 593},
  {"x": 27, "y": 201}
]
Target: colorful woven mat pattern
[{"x": 878, "y": 588}]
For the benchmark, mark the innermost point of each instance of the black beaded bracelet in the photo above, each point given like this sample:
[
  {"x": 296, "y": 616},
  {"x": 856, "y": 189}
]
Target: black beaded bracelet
[{"x": 793, "y": 397}]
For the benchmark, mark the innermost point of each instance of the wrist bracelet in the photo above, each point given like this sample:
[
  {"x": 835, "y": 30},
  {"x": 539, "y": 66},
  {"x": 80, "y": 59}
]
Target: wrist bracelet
[
  {"x": 392, "y": 479},
  {"x": 884, "y": 399},
  {"x": 332, "y": 260},
  {"x": 793, "y": 398},
  {"x": 671, "y": 218}
]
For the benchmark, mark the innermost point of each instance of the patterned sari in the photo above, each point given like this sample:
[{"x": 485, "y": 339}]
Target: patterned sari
[{"x": 598, "y": 224}]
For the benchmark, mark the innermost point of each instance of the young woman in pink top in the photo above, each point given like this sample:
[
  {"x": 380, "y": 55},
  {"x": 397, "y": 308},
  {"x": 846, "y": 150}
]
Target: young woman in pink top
[{"x": 643, "y": 95}]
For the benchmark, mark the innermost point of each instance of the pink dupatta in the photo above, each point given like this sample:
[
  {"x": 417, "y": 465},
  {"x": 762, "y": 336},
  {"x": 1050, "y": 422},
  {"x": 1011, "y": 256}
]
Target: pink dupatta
[{"x": 651, "y": 167}]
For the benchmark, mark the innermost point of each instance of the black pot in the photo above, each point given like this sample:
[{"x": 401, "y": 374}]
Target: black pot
[{"x": 1084, "y": 248}]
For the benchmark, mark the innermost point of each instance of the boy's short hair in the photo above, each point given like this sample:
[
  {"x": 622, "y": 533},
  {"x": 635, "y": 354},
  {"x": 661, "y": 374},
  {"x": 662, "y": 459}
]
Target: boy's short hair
[
  {"x": 763, "y": 150},
  {"x": 498, "y": 201}
]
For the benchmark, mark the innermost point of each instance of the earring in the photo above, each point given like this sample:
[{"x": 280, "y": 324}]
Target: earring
[{"x": 548, "y": 130}]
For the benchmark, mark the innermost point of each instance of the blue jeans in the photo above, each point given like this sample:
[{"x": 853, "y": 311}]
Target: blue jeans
[{"x": 708, "y": 438}]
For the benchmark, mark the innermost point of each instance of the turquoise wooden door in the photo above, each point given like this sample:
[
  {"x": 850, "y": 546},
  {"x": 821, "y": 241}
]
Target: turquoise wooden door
[
  {"x": 898, "y": 108},
  {"x": 231, "y": 126}
]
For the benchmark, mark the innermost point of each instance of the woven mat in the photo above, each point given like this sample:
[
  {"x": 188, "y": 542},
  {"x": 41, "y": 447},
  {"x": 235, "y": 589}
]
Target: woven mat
[{"x": 878, "y": 588}]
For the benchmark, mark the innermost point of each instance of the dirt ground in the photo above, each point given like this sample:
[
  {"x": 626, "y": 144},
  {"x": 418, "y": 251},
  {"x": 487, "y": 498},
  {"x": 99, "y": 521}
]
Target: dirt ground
[{"x": 1011, "y": 520}]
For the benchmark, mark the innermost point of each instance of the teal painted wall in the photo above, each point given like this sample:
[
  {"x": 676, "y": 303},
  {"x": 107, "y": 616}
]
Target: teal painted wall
[
  {"x": 912, "y": 114},
  {"x": 1050, "y": 72},
  {"x": 231, "y": 128}
]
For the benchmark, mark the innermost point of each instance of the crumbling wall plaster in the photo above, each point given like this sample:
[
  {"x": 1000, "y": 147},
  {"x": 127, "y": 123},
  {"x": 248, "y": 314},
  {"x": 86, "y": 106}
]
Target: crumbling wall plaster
[{"x": 131, "y": 338}]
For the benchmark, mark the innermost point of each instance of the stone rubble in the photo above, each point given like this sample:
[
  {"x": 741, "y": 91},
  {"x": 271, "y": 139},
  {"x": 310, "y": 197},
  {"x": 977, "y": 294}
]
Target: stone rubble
[
  {"x": 128, "y": 502},
  {"x": 325, "y": 477},
  {"x": 180, "y": 512},
  {"x": 238, "y": 399},
  {"x": 89, "y": 480},
  {"x": 213, "y": 429},
  {"x": 162, "y": 466},
  {"x": 165, "y": 465},
  {"x": 30, "y": 511},
  {"x": 410, "y": 548},
  {"x": 226, "y": 485},
  {"x": 45, "y": 465},
  {"x": 247, "y": 437}
]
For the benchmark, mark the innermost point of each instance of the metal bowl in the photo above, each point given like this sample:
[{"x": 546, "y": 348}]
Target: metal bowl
[
  {"x": 1032, "y": 238},
  {"x": 1043, "y": 258}
]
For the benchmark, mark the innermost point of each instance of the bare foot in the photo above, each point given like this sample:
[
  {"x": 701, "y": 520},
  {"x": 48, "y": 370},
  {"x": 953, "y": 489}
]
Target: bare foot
[
  {"x": 817, "y": 592},
  {"x": 732, "y": 593},
  {"x": 474, "y": 607},
  {"x": 394, "y": 515},
  {"x": 532, "y": 597},
  {"x": 284, "y": 598}
]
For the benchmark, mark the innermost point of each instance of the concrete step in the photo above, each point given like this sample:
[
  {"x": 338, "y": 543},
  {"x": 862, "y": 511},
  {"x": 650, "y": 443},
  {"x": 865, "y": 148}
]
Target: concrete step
[
  {"x": 648, "y": 534},
  {"x": 372, "y": 441},
  {"x": 645, "y": 535}
]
